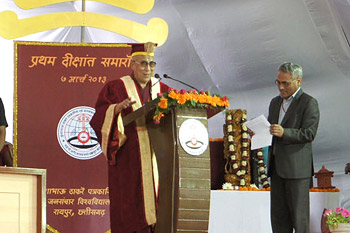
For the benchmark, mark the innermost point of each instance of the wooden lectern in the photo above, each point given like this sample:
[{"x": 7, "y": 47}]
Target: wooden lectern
[{"x": 184, "y": 167}]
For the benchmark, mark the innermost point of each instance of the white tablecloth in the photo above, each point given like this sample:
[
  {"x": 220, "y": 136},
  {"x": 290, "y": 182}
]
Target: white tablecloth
[{"x": 249, "y": 211}]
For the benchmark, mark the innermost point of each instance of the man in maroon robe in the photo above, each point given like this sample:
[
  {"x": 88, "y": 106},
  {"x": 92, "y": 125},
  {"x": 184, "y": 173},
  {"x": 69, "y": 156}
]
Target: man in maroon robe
[{"x": 132, "y": 170}]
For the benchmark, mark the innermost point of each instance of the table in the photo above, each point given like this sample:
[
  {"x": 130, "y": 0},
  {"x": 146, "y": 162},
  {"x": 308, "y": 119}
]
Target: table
[{"x": 249, "y": 211}]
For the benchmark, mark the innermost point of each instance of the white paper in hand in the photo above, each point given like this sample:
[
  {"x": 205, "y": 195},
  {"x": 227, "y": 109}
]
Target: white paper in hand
[{"x": 261, "y": 128}]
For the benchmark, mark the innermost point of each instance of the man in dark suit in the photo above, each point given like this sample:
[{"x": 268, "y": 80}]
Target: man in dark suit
[{"x": 294, "y": 118}]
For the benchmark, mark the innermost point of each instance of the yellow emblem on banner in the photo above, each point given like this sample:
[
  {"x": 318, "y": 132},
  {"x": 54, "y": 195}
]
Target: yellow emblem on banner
[{"x": 156, "y": 29}]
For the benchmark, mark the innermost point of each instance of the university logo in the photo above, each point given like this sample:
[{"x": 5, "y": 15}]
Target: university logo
[
  {"x": 75, "y": 135},
  {"x": 193, "y": 136}
]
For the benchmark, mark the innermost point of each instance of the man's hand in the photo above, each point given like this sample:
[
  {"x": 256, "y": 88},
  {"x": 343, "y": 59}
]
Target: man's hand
[
  {"x": 124, "y": 104},
  {"x": 250, "y": 132},
  {"x": 276, "y": 130}
]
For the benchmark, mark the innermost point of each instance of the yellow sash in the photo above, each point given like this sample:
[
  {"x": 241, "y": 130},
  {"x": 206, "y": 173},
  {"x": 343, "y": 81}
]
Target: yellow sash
[{"x": 148, "y": 160}]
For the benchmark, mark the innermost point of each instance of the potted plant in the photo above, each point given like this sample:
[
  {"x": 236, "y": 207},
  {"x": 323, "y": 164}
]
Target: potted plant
[{"x": 338, "y": 220}]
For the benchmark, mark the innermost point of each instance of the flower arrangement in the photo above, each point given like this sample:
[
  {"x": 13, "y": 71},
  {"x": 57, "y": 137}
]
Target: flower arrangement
[
  {"x": 320, "y": 190},
  {"x": 237, "y": 148},
  {"x": 252, "y": 187},
  {"x": 228, "y": 186},
  {"x": 334, "y": 217},
  {"x": 240, "y": 170},
  {"x": 237, "y": 152},
  {"x": 187, "y": 99}
]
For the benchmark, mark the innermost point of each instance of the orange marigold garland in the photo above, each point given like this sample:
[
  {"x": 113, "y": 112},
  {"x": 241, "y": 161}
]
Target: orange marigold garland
[{"x": 189, "y": 99}]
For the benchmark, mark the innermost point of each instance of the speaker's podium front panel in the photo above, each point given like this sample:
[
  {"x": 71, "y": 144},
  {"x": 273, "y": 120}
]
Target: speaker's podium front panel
[
  {"x": 194, "y": 170},
  {"x": 183, "y": 157}
]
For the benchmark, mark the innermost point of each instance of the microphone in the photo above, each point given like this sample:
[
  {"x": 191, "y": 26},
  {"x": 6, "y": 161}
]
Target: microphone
[
  {"x": 166, "y": 76},
  {"x": 157, "y": 77}
]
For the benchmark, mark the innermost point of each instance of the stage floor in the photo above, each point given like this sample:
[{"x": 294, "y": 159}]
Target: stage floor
[{"x": 249, "y": 211}]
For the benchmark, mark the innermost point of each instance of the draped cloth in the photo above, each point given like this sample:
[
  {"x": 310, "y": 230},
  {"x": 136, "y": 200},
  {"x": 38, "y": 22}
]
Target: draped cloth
[{"x": 132, "y": 170}]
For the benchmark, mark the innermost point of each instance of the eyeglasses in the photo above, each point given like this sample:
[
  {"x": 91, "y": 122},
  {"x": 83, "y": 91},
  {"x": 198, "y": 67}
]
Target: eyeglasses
[
  {"x": 144, "y": 64},
  {"x": 284, "y": 83}
]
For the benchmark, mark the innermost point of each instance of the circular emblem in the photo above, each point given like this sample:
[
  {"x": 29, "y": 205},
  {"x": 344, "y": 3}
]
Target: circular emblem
[
  {"x": 193, "y": 136},
  {"x": 75, "y": 135}
]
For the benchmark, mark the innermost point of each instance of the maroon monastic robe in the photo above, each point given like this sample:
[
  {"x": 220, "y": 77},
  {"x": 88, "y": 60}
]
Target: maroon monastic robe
[{"x": 132, "y": 171}]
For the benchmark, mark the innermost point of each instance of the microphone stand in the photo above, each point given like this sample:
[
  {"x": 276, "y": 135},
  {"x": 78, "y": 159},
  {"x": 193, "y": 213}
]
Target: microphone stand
[
  {"x": 157, "y": 77},
  {"x": 166, "y": 76}
]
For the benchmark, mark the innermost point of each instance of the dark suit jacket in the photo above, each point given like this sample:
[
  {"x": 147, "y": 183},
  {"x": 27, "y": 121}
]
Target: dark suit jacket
[{"x": 292, "y": 154}]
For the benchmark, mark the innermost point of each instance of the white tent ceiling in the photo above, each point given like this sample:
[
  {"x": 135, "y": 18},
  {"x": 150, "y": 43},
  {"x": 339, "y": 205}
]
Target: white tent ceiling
[{"x": 234, "y": 48}]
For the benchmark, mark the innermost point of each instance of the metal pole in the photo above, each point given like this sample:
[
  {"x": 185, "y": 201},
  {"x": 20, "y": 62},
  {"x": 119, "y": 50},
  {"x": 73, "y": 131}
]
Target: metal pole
[{"x": 82, "y": 32}]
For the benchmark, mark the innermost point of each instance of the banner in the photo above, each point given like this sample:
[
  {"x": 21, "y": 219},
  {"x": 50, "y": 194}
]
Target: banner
[{"x": 56, "y": 87}]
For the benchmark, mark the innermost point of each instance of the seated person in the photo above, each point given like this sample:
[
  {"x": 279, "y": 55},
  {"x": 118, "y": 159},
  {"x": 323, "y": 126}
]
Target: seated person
[
  {"x": 5, "y": 150},
  {"x": 6, "y": 155}
]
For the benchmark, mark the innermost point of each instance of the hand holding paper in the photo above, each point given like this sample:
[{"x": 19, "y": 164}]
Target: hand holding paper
[{"x": 261, "y": 128}]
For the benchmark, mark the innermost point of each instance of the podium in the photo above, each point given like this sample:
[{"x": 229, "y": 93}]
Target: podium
[{"x": 181, "y": 145}]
